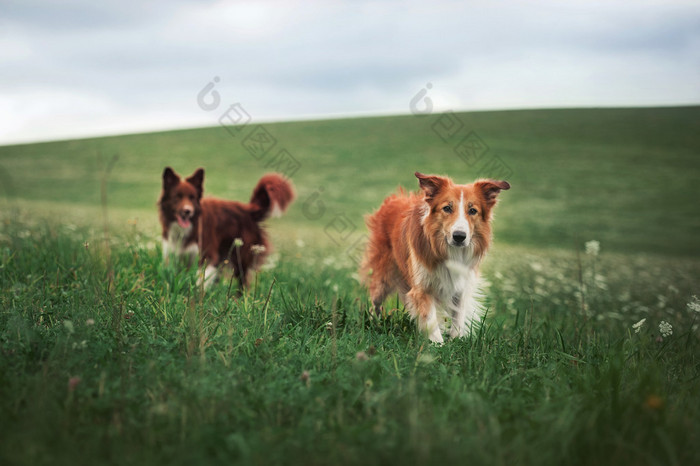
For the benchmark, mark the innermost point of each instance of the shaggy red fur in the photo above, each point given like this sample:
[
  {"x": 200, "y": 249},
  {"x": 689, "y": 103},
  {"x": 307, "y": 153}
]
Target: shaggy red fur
[
  {"x": 210, "y": 227},
  {"x": 428, "y": 246}
]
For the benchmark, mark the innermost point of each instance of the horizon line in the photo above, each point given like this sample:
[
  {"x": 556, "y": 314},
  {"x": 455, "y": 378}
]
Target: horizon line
[{"x": 328, "y": 117}]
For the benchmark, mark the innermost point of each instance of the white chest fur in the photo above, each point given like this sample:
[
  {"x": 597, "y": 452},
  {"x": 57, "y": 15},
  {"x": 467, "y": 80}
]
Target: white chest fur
[
  {"x": 454, "y": 285},
  {"x": 174, "y": 244}
]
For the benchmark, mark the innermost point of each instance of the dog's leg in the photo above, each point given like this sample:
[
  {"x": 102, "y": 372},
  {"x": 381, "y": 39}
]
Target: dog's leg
[
  {"x": 166, "y": 251},
  {"x": 210, "y": 273},
  {"x": 376, "y": 266},
  {"x": 458, "y": 315},
  {"x": 208, "y": 276},
  {"x": 239, "y": 260},
  {"x": 190, "y": 253},
  {"x": 378, "y": 291},
  {"x": 422, "y": 307},
  {"x": 242, "y": 277}
]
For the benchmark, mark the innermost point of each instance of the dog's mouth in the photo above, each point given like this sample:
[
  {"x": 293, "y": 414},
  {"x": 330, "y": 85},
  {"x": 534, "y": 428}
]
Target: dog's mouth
[{"x": 183, "y": 220}]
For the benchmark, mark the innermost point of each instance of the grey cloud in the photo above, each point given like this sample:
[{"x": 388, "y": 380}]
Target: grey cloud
[{"x": 341, "y": 57}]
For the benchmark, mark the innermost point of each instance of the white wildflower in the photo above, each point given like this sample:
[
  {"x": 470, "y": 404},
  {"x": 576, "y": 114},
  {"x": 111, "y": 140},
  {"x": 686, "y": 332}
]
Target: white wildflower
[
  {"x": 300, "y": 243},
  {"x": 536, "y": 266},
  {"x": 638, "y": 326},
  {"x": 694, "y": 304},
  {"x": 665, "y": 329},
  {"x": 335, "y": 288},
  {"x": 600, "y": 281},
  {"x": 592, "y": 248},
  {"x": 238, "y": 242},
  {"x": 258, "y": 249}
]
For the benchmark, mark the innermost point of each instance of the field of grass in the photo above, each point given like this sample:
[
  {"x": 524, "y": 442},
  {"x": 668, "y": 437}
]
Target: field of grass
[{"x": 108, "y": 357}]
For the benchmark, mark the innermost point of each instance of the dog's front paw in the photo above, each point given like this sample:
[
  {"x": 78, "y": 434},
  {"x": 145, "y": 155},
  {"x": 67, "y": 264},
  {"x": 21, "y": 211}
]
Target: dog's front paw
[
  {"x": 458, "y": 332},
  {"x": 436, "y": 336}
]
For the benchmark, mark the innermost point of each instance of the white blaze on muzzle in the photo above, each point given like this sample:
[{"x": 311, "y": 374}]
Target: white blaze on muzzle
[{"x": 460, "y": 226}]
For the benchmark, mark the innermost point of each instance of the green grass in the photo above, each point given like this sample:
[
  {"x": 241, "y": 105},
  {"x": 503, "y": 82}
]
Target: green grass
[{"x": 297, "y": 370}]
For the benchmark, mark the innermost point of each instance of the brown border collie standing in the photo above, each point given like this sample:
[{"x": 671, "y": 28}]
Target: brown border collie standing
[
  {"x": 219, "y": 231},
  {"x": 428, "y": 247}
]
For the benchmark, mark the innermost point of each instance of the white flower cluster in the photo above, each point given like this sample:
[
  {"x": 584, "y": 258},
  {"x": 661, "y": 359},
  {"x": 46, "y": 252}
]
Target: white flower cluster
[
  {"x": 665, "y": 329},
  {"x": 258, "y": 249},
  {"x": 694, "y": 304},
  {"x": 638, "y": 326},
  {"x": 592, "y": 247}
]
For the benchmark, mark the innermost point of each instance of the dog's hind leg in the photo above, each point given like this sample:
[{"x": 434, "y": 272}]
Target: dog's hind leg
[
  {"x": 379, "y": 289},
  {"x": 377, "y": 270},
  {"x": 380, "y": 276},
  {"x": 242, "y": 276}
]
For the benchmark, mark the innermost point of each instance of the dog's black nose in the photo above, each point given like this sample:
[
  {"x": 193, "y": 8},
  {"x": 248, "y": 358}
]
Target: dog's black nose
[{"x": 459, "y": 236}]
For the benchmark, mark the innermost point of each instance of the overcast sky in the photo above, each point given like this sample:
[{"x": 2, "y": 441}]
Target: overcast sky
[{"x": 79, "y": 68}]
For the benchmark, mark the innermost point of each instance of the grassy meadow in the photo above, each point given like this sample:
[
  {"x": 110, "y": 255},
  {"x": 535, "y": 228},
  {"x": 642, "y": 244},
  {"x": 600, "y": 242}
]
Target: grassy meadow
[{"x": 109, "y": 357}]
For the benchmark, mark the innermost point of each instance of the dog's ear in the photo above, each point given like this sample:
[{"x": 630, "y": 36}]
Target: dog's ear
[
  {"x": 170, "y": 178},
  {"x": 431, "y": 184},
  {"x": 490, "y": 189},
  {"x": 197, "y": 180}
]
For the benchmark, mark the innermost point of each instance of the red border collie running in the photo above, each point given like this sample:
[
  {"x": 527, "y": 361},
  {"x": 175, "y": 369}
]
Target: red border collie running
[
  {"x": 219, "y": 231},
  {"x": 429, "y": 246}
]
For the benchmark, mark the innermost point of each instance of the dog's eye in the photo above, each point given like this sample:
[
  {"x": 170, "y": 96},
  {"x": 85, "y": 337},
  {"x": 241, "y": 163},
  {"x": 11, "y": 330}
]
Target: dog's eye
[
  {"x": 447, "y": 209},
  {"x": 191, "y": 197},
  {"x": 473, "y": 211}
]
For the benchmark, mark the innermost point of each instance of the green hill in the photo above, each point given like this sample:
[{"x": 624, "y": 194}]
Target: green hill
[{"x": 625, "y": 177}]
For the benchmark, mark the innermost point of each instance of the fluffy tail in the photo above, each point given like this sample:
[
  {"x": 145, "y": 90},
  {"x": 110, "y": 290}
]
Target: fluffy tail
[{"x": 271, "y": 196}]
